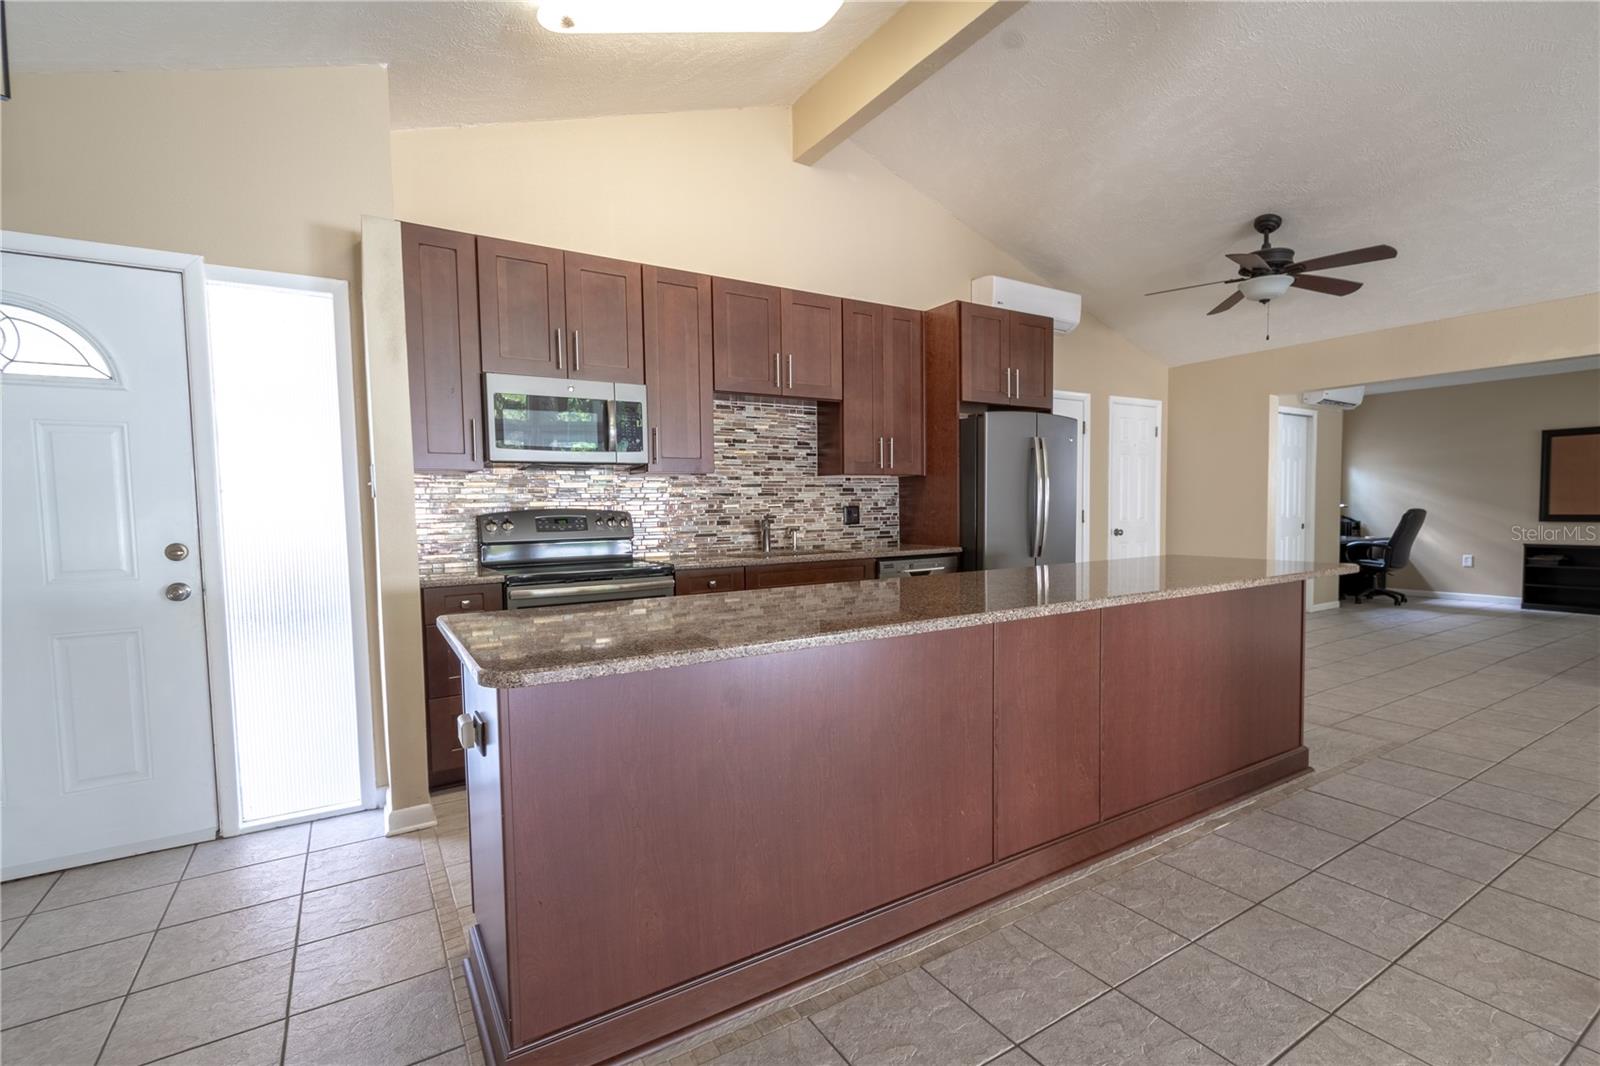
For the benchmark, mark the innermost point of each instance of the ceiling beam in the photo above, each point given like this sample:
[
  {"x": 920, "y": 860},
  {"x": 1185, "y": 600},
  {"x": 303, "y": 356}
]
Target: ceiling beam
[{"x": 904, "y": 52}]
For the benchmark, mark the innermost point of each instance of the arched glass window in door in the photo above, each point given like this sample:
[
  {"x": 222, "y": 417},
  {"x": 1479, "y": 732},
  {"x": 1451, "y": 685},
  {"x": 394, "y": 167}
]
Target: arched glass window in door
[{"x": 33, "y": 344}]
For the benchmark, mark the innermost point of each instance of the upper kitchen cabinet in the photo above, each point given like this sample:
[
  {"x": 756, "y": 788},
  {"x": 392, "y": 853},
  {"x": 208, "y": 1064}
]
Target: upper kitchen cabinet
[
  {"x": 522, "y": 308},
  {"x": 605, "y": 319},
  {"x": 877, "y": 427},
  {"x": 1005, "y": 356},
  {"x": 776, "y": 342},
  {"x": 677, "y": 359},
  {"x": 747, "y": 335},
  {"x": 441, "y": 300},
  {"x": 812, "y": 345}
]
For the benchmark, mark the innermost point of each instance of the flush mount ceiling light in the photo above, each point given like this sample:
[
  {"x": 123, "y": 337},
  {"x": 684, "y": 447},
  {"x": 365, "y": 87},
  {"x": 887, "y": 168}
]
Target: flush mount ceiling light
[
  {"x": 686, "y": 16},
  {"x": 1266, "y": 287}
]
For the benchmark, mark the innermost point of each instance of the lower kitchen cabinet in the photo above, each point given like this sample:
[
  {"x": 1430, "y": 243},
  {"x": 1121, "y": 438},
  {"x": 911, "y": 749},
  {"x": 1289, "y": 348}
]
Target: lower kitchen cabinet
[
  {"x": 441, "y": 675},
  {"x": 697, "y": 582},
  {"x": 781, "y": 575}
]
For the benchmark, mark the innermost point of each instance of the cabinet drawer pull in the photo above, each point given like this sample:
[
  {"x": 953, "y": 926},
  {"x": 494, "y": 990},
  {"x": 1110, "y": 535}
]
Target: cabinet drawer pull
[{"x": 712, "y": 583}]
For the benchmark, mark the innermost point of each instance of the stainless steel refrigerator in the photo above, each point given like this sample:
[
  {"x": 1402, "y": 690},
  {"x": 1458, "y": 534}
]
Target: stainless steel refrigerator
[{"x": 1019, "y": 495}]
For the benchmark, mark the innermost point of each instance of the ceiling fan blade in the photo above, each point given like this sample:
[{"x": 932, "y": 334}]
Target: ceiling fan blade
[
  {"x": 1331, "y": 286},
  {"x": 1351, "y": 258},
  {"x": 1232, "y": 299},
  {"x": 1250, "y": 260},
  {"x": 1203, "y": 284}
]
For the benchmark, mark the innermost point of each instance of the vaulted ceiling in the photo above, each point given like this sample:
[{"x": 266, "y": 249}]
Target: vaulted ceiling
[
  {"x": 1122, "y": 148},
  {"x": 450, "y": 62}
]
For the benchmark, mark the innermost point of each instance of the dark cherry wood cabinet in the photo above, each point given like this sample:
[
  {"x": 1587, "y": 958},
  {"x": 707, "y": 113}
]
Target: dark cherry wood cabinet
[
  {"x": 717, "y": 579},
  {"x": 605, "y": 318},
  {"x": 441, "y": 300},
  {"x": 985, "y": 348},
  {"x": 1046, "y": 729},
  {"x": 522, "y": 308},
  {"x": 677, "y": 361},
  {"x": 812, "y": 345},
  {"x": 1031, "y": 356},
  {"x": 1196, "y": 688},
  {"x": 654, "y": 849},
  {"x": 779, "y": 575},
  {"x": 441, "y": 675},
  {"x": 877, "y": 426},
  {"x": 776, "y": 342},
  {"x": 746, "y": 337}
]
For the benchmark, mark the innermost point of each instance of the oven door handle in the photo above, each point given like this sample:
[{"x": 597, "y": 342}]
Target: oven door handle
[{"x": 535, "y": 594}]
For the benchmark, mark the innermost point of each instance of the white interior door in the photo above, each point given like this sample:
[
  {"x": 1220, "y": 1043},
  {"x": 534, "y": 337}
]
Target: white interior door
[
  {"x": 1133, "y": 492},
  {"x": 1076, "y": 405},
  {"x": 1292, "y": 539},
  {"x": 106, "y": 716}
]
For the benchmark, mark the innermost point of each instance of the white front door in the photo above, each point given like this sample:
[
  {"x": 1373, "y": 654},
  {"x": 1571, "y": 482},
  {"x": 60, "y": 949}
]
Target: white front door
[
  {"x": 106, "y": 717},
  {"x": 1133, "y": 492},
  {"x": 1076, "y": 405},
  {"x": 1291, "y": 539}
]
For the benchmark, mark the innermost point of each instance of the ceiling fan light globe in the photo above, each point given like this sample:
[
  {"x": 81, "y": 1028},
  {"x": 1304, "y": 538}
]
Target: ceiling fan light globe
[{"x": 1266, "y": 287}]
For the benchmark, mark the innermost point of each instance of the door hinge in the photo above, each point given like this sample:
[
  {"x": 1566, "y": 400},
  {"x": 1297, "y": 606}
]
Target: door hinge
[
  {"x": 1158, "y": 431},
  {"x": 1083, "y": 516}
]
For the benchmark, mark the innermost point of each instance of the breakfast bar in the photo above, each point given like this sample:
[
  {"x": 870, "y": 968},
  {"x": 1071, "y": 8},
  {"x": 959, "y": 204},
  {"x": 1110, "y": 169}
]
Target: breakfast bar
[{"x": 680, "y": 806}]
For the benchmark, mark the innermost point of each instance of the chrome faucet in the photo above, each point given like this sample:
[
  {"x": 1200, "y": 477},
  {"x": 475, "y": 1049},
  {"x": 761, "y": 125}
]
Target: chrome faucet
[{"x": 766, "y": 533}]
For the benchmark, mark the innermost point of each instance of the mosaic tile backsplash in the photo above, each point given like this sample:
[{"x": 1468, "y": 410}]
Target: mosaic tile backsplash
[{"x": 766, "y": 464}]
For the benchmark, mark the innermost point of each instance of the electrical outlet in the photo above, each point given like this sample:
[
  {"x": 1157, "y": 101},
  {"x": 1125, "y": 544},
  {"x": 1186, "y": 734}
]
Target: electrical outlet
[
  {"x": 852, "y": 514},
  {"x": 1466, "y": 560}
]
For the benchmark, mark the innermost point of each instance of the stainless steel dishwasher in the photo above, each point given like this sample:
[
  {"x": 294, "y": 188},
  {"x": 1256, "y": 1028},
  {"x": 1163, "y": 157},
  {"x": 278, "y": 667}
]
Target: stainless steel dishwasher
[{"x": 919, "y": 565}]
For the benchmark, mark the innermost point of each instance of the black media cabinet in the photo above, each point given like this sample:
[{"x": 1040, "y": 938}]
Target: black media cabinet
[{"x": 1561, "y": 577}]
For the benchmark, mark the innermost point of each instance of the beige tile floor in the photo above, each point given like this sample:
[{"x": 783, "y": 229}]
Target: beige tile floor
[{"x": 1430, "y": 895}]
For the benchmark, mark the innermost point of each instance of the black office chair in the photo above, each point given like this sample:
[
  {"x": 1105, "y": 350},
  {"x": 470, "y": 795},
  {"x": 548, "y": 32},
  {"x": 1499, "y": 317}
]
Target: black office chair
[{"x": 1378, "y": 556}]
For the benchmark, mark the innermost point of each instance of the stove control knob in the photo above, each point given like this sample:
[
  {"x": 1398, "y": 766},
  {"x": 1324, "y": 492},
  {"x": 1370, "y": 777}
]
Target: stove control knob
[{"x": 507, "y": 526}]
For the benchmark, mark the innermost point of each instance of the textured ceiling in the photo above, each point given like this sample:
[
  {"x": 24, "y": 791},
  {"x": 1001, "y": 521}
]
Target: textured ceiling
[
  {"x": 450, "y": 63},
  {"x": 1122, "y": 148}
]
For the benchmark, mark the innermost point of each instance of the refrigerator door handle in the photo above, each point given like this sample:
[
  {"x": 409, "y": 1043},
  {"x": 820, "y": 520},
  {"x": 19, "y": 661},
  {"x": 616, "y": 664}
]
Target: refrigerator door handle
[
  {"x": 1037, "y": 543},
  {"x": 1044, "y": 509}
]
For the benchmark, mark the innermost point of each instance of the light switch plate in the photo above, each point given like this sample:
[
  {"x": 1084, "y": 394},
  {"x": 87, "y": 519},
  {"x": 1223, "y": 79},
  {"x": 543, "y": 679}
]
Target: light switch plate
[{"x": 1466, "y": 560}]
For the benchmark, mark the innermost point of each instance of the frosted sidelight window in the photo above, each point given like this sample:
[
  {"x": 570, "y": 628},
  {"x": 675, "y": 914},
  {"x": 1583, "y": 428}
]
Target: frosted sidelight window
[{"x": 292, "y": 599}]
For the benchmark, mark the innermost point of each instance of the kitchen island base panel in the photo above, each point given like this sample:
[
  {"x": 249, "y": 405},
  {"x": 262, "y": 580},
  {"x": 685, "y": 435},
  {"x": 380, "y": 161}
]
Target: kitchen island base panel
[
  {"x": 641, "y": 1027},
  {"x": 656, "y": 848}
]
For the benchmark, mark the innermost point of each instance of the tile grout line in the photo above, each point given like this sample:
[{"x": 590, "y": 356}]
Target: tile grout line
[{"x": 127, "y": 993}]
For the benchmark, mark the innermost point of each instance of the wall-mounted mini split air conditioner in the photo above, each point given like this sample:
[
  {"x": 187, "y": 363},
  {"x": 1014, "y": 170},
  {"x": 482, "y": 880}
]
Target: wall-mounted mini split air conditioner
[
  {"x": 1345, "y": 398},
  {"x": 1065, "y": 308}
]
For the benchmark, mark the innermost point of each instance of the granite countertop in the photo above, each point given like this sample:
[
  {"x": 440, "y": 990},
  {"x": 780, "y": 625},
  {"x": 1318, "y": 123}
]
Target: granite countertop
[
  {"x": 516, "y": 649},
  {"x": 723, "y": 557}
]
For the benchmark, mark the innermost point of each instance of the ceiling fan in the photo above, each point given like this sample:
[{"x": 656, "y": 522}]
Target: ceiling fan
[{"x": 1269, "y": 272}]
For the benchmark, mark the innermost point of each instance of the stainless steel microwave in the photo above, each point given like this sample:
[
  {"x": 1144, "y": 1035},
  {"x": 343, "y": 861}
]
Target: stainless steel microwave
[{"x": 560, "y": 420}]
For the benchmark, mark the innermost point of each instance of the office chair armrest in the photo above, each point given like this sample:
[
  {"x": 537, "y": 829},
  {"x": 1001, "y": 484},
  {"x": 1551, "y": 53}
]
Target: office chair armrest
[{"x": 1354, "y": 549}]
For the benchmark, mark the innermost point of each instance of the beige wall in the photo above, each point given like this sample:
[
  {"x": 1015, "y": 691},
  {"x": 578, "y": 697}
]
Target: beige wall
[
  {"x": 1469, "y": 455},
  {"x": 717, "y": 191},
  {"x": 1220, "y": 411},
  {"x": 264, "y": 169}
]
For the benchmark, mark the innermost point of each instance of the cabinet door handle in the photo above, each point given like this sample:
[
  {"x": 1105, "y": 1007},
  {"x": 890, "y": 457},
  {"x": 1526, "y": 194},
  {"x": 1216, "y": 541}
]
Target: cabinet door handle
[
  {"x": 891, "y": 453},
  {"x": 777, "y": 369},
  {"x": 472, "y": 437},
  {"x": 655, "y": 444},
  {"x": 791, "y": 370},
  {"x": 577, "y": 353},
  {"x": 561, "y": 345},
  {"x": 880, "y": 453}
]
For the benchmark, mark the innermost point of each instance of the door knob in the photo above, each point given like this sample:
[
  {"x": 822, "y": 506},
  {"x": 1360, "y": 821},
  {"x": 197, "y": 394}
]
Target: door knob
[
  {"x": 1116, "y": 532},
  {"x": 177, "y": 592},
  {"x": 176, "y": 552}
]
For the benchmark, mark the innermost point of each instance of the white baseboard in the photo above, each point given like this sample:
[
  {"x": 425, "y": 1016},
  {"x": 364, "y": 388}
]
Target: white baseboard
[
  {"x": 1464, "y": 598},
  {"x": 407, "y": 819},
  {"x": 1331, "y": 605}
]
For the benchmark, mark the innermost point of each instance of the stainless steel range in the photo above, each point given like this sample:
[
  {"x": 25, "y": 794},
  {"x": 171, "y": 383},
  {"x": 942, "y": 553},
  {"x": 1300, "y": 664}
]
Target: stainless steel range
[{"x": 557, "y": 556}]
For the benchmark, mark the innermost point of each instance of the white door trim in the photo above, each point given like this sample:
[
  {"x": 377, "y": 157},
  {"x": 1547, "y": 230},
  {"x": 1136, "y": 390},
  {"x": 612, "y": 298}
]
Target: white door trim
[
  {"x": 1085, "y": 493},
  {"x": 1311, "y": 481},
  {"x": 1157, "y": 406},
  {"x": 211, "y": 512}
]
